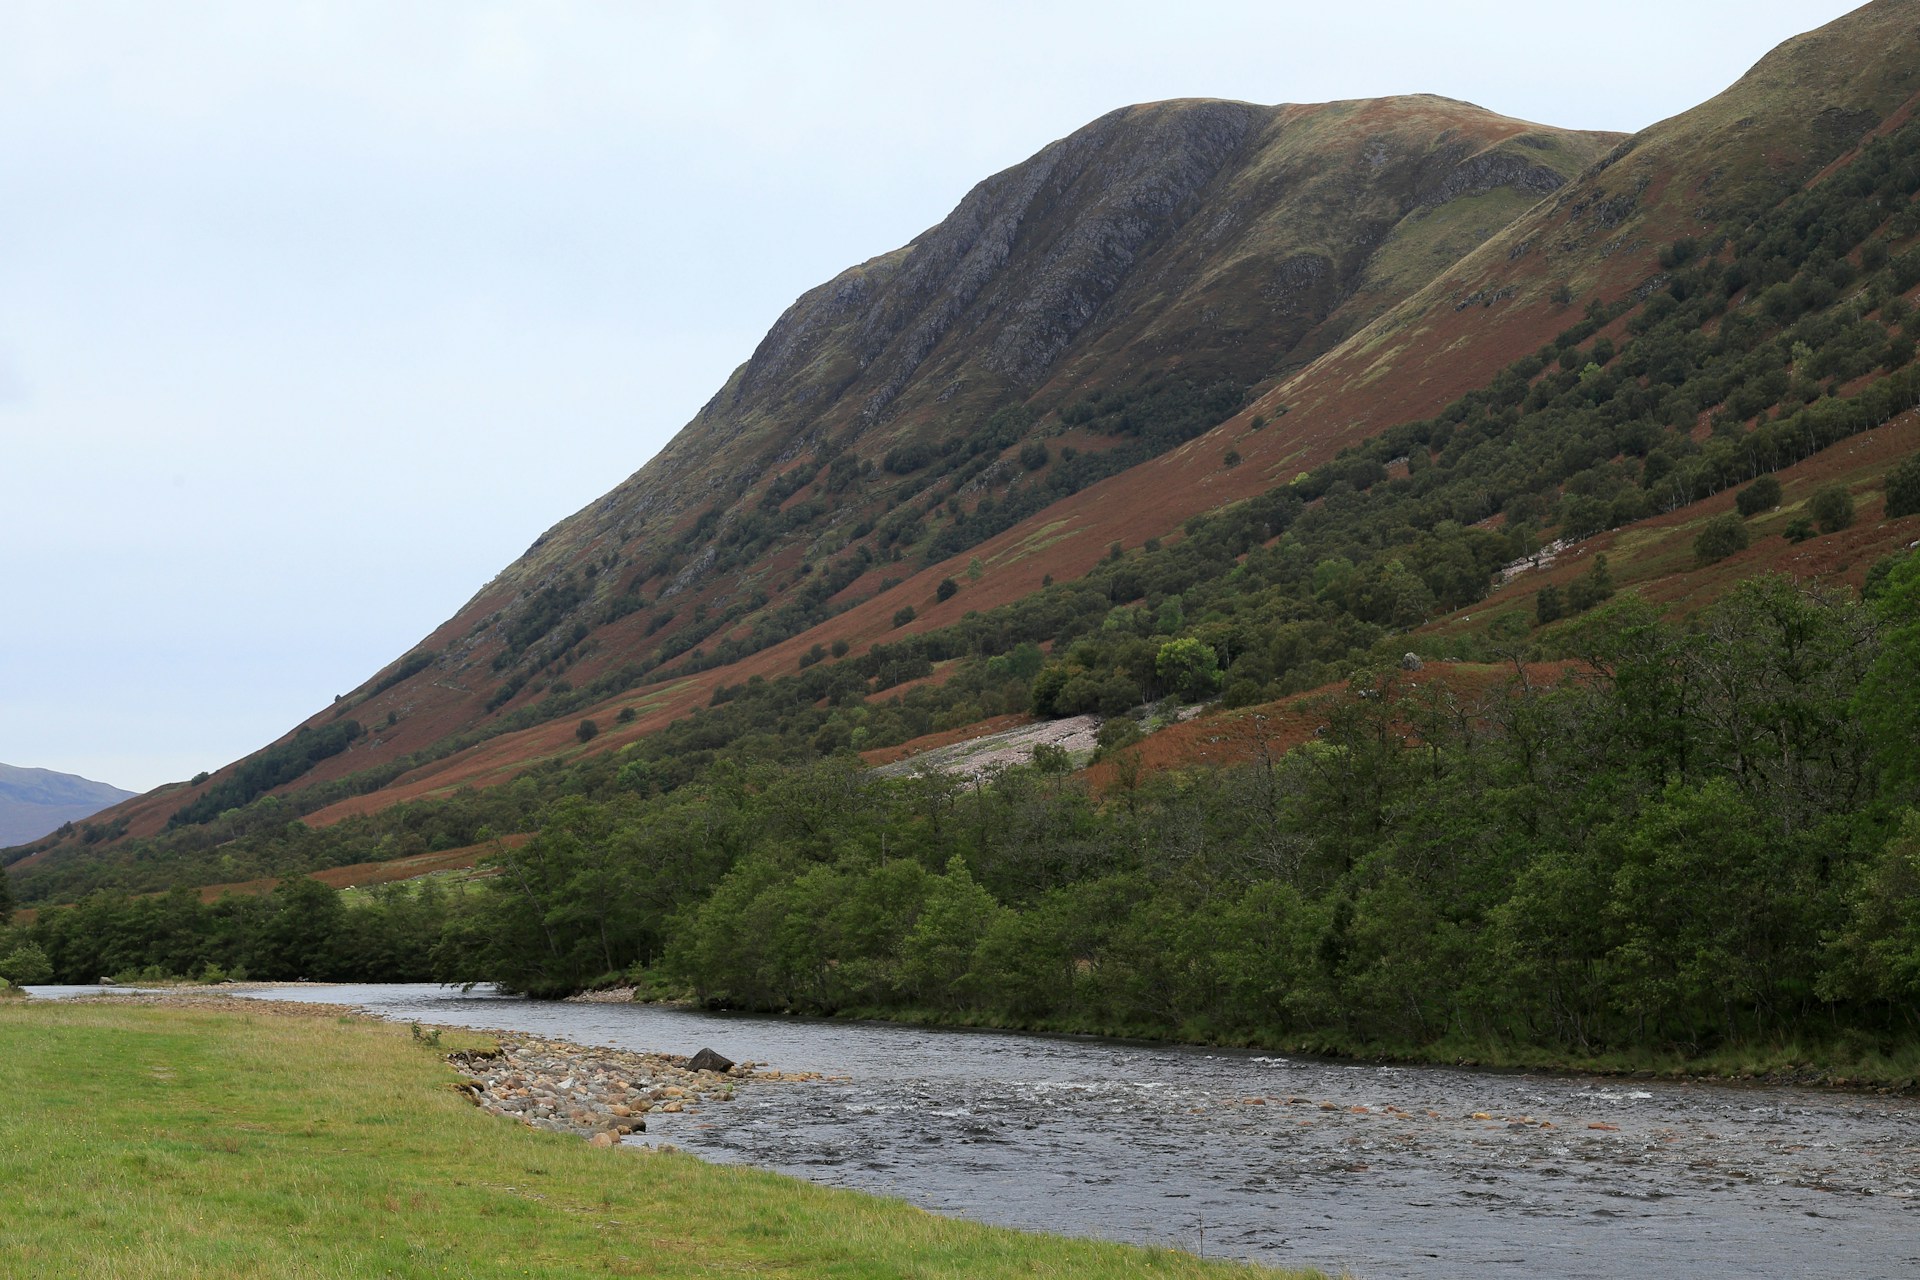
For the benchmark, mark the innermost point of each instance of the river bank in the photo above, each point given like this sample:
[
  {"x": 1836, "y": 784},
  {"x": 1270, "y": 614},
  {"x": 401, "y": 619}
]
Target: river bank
[
  {"x": 600, "y": 1094},
  {"x": 1381, "y": 1170},
  {"x": 173, "y": 1137},
  {"x": 1894, "y": 1072}
]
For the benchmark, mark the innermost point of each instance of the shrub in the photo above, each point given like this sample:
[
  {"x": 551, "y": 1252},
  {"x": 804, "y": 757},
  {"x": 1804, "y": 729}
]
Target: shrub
[
  {"x": 1831, "y": 508},
  {"x": 1762, "y": 495},
  {"x": 1547, "y": 606},
  {"x": 1798, "y": 529},
  {"x": 1049, "y": 757},
  {"x": 1592, "y": 588},
  {"x": 1115, "y": 735},
  {"x": 1231, "y": 458},
  {"x": 586, "y": 731},
  {"x": 1903, "y": 489},
  {"x": 947, "y": 589},
  {"x": 1722, "y": 536},
  {"x": 627, "y": 716},
  {"x": 901, "y": 617},
  {"x": 26, "y": 965}
]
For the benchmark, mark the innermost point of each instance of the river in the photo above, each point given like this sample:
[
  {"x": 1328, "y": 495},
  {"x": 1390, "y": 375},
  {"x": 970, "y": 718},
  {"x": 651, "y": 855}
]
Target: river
[{"x": 1386, "y": 1171}]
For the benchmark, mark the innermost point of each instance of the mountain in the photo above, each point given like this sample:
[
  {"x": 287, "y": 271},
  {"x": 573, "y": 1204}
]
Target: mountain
[
  {"x": 35, "y": 802},
  {"x": 1177, "y": 253},
  {"x": 1387, "y": 324}
]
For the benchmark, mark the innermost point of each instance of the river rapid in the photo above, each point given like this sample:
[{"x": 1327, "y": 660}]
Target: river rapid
[{"x": 1387, "y": 1171}]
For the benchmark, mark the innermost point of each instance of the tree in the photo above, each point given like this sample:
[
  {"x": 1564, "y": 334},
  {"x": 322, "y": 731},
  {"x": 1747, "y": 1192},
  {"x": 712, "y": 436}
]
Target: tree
[
  {"x": 1888, "y": 704},
  {"x": 1762, "y": 495},
  {"x": 937, "y": 952},
  {"x": 1720, "y": 538},
  {"x": 902, "y": 616},
  {"x": 947, "y": 589},
  {"x": 26, "y": 964},
  {"x": 1903, "y": 489},
  {"x": 1832, "y": 508},
  {"x": 1547, "y": 606},
  {"x": 1189, "y": 667},
  {"x": 1592, "y": 588},
  {"x": 586, "y": 731},
  {"x": 6, "y": 899}
]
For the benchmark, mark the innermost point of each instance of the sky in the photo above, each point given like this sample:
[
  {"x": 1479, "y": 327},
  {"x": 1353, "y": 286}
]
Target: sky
[{"x": 314, "y": 316}]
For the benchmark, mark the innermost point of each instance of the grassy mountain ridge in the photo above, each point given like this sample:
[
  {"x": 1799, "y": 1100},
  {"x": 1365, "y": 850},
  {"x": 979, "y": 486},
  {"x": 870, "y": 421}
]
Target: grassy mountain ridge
[{"x": 1353, "y": 266}]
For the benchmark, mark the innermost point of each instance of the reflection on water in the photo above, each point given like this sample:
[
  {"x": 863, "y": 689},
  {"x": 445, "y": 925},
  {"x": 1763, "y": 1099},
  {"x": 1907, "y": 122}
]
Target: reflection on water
[{"x": 1391, "y": 1171}]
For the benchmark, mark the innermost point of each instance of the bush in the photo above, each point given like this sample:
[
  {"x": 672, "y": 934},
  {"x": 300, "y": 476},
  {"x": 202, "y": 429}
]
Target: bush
[
  {"x": 1592, "y": 588},
  {"x": 1798, "y": 529},
  {"x": 1049, "y": 757},
  {"x": 26, "y": 965},
  {"x": 1831, "y": 508},
  {"x": 1547, "y": 606},
  {"x": 1115, "y": 735},
  {"x": 1722, "y": 536},
  {"x": 1903, "y": 489},
  {"x": 947, "y": 589},
  {"x": 901, "y": 617},
  {"x": 586, "y": 731},
  {"x": 1762, "y": 495}
]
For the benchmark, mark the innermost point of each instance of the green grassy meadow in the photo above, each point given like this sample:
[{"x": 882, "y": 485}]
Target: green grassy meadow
[{"x": 187, "y": 1141}]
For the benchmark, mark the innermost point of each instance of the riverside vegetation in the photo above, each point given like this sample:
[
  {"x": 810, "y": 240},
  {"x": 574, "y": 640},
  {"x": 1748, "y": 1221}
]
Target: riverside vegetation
[
  {"x": 1697, "y": 844},
  {"x": 1687, "y": 840},
  {"x": 267, "y": 1144}
]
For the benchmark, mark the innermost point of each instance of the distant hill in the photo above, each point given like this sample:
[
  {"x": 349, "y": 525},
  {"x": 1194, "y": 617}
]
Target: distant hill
[{"x": 35, "y": 802}]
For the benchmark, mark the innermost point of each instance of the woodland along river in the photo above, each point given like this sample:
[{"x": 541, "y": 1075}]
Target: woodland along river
[{"x": 1386, "y": 1171}]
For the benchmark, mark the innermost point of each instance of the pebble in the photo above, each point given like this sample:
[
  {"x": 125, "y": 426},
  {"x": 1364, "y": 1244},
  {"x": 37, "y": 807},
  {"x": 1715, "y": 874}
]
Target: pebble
[{"x": 599, "y": 1094}]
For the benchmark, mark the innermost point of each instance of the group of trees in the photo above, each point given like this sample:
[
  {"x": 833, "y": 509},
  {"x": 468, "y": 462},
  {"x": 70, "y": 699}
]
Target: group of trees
[{"x": 1704, "y": 836}]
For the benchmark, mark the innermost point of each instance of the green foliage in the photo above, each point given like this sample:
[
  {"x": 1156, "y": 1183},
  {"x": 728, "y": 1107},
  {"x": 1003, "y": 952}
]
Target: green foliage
[
  {"x": 586, "y": 731},
  {"x": 1189, "y": 667},
  {"x": 1831, "y": 508},
  {"x": 26, "y": 965},
  {"x": 947, "y": 590},
  {"x": 1719, "y": 538},
  {"x": 1547, "y": 605},
  {"x": 1592, "y": 588},
  {"x": 274, "y": 767},
  {"x": 411, "y": 665},
  {"x": 1903, "y": 488},
  {"x": 1051, "y": 758},
  {"x": 904, "y": 615},
  {"x": 1762, "y": 495}
]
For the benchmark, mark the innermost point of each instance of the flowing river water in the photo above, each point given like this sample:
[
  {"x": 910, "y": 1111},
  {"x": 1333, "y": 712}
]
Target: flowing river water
[{"x": 1386, "y": 1171}]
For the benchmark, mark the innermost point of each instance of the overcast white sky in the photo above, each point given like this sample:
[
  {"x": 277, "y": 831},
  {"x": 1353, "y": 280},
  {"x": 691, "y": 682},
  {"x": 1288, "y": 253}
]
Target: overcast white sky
[{"x": 313, "y": 316}]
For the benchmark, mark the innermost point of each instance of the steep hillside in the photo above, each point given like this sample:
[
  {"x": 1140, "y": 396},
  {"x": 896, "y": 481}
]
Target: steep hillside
[
  {"x": 1170, "y": 256},
  {"x": 1387, "y": 329}
]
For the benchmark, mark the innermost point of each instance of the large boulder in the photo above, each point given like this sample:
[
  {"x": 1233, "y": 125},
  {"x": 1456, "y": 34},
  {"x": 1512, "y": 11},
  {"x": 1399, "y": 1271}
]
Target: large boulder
[{"x": 708, "y": 1060}]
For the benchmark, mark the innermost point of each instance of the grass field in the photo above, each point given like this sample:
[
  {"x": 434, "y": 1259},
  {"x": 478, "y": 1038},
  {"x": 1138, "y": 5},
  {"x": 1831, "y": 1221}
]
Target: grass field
[{"x": 183, "y": 1141}]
